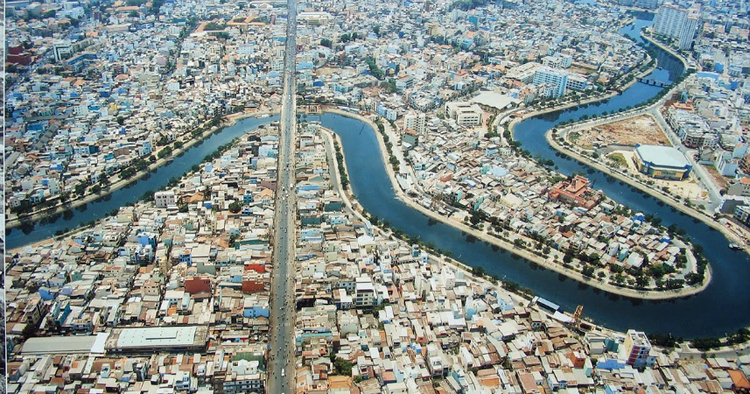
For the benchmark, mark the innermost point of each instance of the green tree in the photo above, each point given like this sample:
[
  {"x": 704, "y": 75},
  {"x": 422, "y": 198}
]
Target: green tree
[
  {"x": 588, "y": 271},
  {"x": 148, "y": 195},
  {"x": 235, "y": 207},
  {"x": 127, "y": 173},
  {"x": 342, "y": 367},
  {"x": 214, "y": 26},
  {"x": 164, "y": 152},
  {"x": 478, "y": 271},
  {"x": 374, "y": 69},
  {"x": 568, "y": 257},
  {"x": 475, "y": 218},
  {"x": 80, "y": 188}
]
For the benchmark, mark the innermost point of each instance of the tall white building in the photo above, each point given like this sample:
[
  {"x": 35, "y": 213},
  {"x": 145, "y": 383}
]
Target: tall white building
[
  {"x": 688, "y": 30},
  {"x": 669, "y": 19},
  {"x": 556, "y": 81},
  {"x": 678, "y": 23},
  {"x": 415, "y": 121}
]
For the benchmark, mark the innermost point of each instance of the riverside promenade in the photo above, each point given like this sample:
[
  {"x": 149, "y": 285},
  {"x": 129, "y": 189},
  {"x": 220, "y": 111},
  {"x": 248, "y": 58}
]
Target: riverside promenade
[
  {"x": 652, "y": 110},
  {"x": 548, "y": 262},
  {"x": 13, "y": 221}
]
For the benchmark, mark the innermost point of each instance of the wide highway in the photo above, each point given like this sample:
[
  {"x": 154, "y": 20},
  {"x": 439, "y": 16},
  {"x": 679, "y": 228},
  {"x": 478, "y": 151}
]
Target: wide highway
[{"x": 281, "y": 361}]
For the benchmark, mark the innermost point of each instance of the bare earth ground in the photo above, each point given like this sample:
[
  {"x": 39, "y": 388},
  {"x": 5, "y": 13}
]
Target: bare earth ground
[
  {"x": 720, "y": 180},
  {"x": 639, "y": 130},
  {"x": 325, "y": 71},
  {"x": 581, "y": 70}
]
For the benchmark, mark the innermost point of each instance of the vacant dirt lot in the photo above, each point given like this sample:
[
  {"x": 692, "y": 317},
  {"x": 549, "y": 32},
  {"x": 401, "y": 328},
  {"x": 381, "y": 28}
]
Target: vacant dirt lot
[
  {"x": 325, "y": 71},
  {"x": 720, "y": 180},
  {"x": 642, "y": 129}
]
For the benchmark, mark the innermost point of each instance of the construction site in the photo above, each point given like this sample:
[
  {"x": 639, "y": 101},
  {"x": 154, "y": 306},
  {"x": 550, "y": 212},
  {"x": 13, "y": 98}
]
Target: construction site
[{"x": 641, "y": 129}]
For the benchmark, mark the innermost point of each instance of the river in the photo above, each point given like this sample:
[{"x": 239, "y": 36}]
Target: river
[
  {"x": 723, "y": 307},
  {"x": 97, "y": 210}
]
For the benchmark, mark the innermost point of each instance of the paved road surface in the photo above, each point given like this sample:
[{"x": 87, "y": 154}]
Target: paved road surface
[
  {"x": 281, "y": 355},
  {"x": 703, "y": 177}
]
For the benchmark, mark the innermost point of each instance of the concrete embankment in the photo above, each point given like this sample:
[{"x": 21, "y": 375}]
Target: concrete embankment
[
  {"x": 524, "y": 253},
  {"x": 604, "y": 96},
  {"x": 658, "y": 194},
  {"x": 679, "y": 57},
  {"x": 653, "y": 193},
  {"x": 188, "y": 143},
  {"x": 699, "y": 215}
]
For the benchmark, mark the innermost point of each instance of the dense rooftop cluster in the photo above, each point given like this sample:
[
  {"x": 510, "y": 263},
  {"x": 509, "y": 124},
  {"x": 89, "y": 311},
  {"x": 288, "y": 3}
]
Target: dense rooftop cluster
[
  {"x": 114, "y": 87},
  {"x": 173, "y": 294},
  {"x": 492, "y": 186}
]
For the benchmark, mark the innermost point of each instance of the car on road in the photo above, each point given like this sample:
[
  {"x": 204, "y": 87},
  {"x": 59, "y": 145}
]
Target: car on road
[{"x": 283, "y": 372}]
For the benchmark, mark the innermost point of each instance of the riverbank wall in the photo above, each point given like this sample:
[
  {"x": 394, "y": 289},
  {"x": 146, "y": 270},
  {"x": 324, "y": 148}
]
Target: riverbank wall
[
  {"x": 230, "y": 120},
  {"x": 547, "y": 263},
  {"x": 667, "y": 49}
]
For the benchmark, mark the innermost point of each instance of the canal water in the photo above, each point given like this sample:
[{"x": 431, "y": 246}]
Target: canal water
[
  {"x": 121, "y": 197},
  {"x": 723, "y": 307}
]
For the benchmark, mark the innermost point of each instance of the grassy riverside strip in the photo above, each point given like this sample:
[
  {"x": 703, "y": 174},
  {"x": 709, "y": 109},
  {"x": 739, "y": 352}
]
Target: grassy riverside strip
[
  {"x": 528, "y": 255},
  {"x": 227, "y": 121}
]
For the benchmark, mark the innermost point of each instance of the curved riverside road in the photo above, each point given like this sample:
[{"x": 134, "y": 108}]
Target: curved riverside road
[
  {"x": 723, "y": 307},
  {"x": 118, "y": 198}
]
